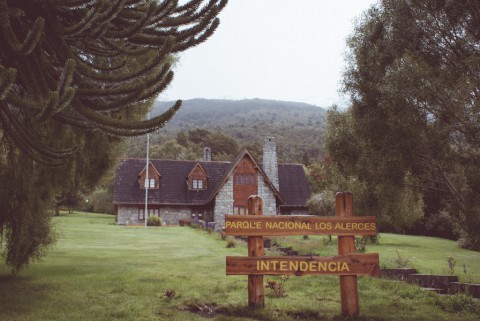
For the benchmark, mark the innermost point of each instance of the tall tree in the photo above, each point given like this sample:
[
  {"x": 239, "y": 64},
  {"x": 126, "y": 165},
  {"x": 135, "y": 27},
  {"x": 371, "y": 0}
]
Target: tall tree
[
  {"x": 74, "y": 76},
  {"x": 413, "y": 77}
]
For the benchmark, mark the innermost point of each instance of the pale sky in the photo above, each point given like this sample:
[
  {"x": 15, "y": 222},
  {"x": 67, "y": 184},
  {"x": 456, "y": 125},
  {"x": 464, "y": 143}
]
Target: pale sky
[{"x": 291, "y": 50}]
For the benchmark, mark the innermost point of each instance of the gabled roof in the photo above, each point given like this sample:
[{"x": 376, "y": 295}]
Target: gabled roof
[
  {"x": 150, "y": 174},
  {"x": 234, "y": 164},
  {"x": 293, "y": 190},
  {"x": 293, "y": 184},
  {"x": 195, "y": 167}
]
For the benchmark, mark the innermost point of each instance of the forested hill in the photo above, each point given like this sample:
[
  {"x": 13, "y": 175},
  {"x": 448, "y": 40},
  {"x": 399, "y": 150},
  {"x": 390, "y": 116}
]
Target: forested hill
[
  {"x": 220, "y": 113},
  {"x": 298, "y": 127}
]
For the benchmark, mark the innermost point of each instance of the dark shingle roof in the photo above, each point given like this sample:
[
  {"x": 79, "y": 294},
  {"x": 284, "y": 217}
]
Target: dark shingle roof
[{"x": 294, "y": 188}]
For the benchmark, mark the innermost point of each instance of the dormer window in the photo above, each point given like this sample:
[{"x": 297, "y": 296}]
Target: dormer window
[
  {"x": 153, "y": 179},
  {"x": 197, "y": 178}
]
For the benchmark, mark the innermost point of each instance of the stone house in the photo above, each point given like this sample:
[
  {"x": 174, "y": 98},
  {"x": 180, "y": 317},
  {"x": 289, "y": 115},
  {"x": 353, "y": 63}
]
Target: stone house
[{"x": 208, "y": 190}]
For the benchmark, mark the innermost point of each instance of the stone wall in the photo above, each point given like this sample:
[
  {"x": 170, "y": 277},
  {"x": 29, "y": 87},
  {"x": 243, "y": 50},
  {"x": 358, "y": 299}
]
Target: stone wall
[
  {"x": 172, "y": 214},
  {"x": 268, "y": 197},
  {"x": 223, "y": 204},
  {"x": 169, "y": 215},
  {"x": 127, "y": 213}
]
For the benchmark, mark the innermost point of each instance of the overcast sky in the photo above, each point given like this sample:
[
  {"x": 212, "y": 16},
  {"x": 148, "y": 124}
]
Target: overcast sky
[{"x": 291, "y": 50}]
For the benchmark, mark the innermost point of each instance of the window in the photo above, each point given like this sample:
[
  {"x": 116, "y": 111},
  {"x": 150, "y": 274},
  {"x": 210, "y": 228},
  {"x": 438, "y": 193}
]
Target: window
[
  {"x": 150, "y": 183},
  {"x": 197, "y": 184},
  {"x": 245, "y": 179},
  {"x": 197, "y": 215},
  {"x": 151, "y": 212},
  {"x": 238, "y": 210}
]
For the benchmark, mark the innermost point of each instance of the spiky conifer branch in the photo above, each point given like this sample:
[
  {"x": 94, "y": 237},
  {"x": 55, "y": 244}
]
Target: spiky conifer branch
[{"x": 84, "y": 63}]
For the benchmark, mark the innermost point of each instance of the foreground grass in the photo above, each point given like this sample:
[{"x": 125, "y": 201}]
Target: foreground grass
[{"x": 100, "y": 271}]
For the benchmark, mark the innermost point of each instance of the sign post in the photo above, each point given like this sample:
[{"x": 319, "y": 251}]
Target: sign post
[
  {"x": 347, "y": 265},
  {"x": 256, "y": 297},
  {"x": 346, "y": 244}
]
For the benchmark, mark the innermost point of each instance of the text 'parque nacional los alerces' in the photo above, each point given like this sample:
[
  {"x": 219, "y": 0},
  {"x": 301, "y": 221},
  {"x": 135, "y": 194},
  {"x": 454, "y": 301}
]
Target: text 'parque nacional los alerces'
[{"x": 299, "y": 225}]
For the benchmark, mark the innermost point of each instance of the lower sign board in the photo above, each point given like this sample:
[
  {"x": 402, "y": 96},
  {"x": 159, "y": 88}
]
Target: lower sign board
[
  {"x": 256, "y": 225},
  {"x": 348, "y": 264}
]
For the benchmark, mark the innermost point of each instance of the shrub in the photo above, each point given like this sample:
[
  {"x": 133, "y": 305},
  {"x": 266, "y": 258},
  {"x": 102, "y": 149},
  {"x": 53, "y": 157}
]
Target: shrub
[
  {"x": 223, "y": 236},
  {"x": 361, "y": 244},
  {"x": 401, "y": 261},
  {"x": 231, "y": 243},
  {"x": 451, "y": 264},
  {"x": 154, "y": 221},
  {"x": 457, "y": 303},
  {"x": 185, "y": 222},
  {"x": 278, "y": 288},
  {"x": 169, "y": 294}
]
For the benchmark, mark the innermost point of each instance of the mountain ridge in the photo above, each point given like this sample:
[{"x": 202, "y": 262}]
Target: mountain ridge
[{"x": 298, "y": 127}]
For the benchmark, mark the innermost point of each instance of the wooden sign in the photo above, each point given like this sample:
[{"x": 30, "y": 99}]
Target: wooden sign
[
  {"x": 252, "y": 225},
  {"x": 349, "y": 264}
]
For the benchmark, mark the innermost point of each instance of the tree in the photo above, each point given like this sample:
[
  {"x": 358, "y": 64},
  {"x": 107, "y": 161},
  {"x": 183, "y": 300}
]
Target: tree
[
  {"x": 413, "y": 124},
  {"x": 172, "y": 150},
  {"x": 74, "y": 77}
]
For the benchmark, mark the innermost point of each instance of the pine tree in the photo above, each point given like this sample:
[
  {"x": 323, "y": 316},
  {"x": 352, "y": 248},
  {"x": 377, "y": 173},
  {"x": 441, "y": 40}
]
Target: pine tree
[{"x": 75, "y": 75}]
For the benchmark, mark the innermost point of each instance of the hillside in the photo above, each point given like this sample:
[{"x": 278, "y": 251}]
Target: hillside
[{"x": 298, "y": 127}]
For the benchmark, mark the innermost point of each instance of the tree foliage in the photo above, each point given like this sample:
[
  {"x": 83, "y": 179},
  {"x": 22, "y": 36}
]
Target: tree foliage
[
  {"x": 413, "y": 128},
  {"x": 74, "y": 76}
]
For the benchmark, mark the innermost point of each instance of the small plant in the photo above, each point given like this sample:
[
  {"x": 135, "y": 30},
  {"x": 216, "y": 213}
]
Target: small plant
[
  {"x": 278, "y": 288},
  {"x": 305, "y": 237},
  {"x": 327, "y": 240},
  {"x": 451, "y": 264},
  {"x": 169, "y": 294},
  {"x": 401, "y": 261},
  {"x": 184, "y": 222},
  {"x": 223, "y": 236},
  {"x": 209, "y": 230},
  {"x": 154, "y": 221},
  {"x": 231, "y": 244},
  {"x": 361, "y": 244},
  {"x": 374, "y": 239}
]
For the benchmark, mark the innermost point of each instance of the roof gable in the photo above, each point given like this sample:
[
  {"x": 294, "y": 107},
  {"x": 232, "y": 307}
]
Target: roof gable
[
  {"x": 152, "y": 171},
  {"x": 197, "y": 171},
  {"x": 233, "y": 166}
]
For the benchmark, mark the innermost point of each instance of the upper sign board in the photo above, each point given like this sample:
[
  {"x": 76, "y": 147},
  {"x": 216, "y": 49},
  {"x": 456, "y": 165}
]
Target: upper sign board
[{"x": 285, "y": 225}]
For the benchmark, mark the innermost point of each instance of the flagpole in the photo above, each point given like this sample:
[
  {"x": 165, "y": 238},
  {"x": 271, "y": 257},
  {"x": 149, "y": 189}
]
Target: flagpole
[{"x": 147, "y": 178}]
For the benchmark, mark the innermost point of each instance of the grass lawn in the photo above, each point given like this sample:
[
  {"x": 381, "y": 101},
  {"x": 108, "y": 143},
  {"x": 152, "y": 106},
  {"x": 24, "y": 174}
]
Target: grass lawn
[
  {"x": 100, "y": 271},
  {"x": 429, "y": 255}
]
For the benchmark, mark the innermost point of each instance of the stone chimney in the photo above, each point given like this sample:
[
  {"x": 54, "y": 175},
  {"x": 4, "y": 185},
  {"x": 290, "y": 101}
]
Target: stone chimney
[
  {"x": 270, "y": 165},
  {"x": 207, "y": 154}
]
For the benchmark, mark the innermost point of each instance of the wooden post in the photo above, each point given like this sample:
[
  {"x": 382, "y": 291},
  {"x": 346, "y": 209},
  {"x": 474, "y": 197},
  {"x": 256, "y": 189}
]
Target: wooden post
[
  {"x": 346, "y": 244},
  {"x": 256, "y": 298}
]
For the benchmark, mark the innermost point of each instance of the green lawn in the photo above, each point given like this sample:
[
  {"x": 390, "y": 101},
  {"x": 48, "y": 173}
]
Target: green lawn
[
  {"x": 429, "y": 255},
  {"x": 100, "y": 271}
]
